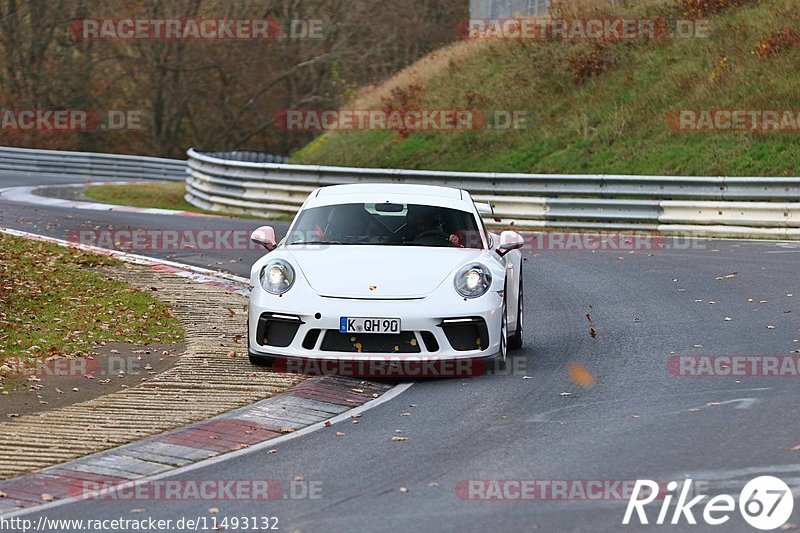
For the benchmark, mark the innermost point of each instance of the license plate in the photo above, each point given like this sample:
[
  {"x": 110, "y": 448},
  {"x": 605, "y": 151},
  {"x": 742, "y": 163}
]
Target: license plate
[{"x": 369, "y": 325}]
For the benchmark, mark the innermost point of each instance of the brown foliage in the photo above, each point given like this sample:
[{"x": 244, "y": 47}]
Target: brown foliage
[
  {"x": 696, "y": 9},
  {"x": 594, "y": 63},
  {"x": 214, "y": 95},
  {"x": 783, "y": 39}
]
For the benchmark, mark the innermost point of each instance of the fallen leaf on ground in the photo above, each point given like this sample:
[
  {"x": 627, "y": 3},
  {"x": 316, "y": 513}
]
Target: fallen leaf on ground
[{"x": 580, "y": 375}]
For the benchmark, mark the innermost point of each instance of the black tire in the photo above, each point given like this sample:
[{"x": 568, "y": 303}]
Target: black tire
[
  {"x": 260, "y": 360},
  {"x": 515, "y": 340},
  {"x": 500, "y": 362}
]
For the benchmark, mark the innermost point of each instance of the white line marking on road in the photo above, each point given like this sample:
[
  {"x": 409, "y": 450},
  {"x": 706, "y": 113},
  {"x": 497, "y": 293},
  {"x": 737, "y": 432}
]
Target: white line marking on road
[{"x": 27, "y": 195}]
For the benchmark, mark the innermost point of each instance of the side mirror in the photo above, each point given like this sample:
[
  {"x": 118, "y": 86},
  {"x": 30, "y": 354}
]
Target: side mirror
[
  {"x": 485, "y": 209},
  {"x": 509, "y": 240},
  {"x": 265, "y": 236}
]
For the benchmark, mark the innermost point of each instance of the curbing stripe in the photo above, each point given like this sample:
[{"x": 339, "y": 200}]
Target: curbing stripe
[
  {"x": 116, "y": 467},
  {"x": 27, "y": 195},
  {"x": 318, "y": 402}
]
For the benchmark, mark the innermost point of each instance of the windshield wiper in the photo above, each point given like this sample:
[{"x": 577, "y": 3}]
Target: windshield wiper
[{"x": 322, "y": 242}]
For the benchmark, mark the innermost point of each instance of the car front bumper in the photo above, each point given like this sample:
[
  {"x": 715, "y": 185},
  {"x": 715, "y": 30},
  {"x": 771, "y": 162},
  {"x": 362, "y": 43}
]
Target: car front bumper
[{"x": 437, "y": 328}]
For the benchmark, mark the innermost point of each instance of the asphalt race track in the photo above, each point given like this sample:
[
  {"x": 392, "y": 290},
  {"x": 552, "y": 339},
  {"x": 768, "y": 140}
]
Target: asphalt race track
[{"x": 638, "y": 421}]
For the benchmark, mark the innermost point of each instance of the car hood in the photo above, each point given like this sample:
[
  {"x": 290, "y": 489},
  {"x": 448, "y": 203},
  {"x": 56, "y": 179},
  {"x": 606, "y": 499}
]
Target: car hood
[{"x": 378, "y": 272}]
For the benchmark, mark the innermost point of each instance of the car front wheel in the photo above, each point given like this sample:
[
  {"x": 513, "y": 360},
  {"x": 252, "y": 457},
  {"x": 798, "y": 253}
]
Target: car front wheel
[{"x": 515, "y": 341}]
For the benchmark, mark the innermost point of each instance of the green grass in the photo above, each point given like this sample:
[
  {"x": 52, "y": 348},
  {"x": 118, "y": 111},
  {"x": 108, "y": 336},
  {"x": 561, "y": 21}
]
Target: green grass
[
  {"x": 54, "y": 302},
  {"x": 158, "y": 195},
  {"x": 614, "y": 123}
]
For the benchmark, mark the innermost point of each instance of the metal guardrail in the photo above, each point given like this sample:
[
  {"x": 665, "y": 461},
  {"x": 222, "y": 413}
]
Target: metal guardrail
[
  {"x": 249, "y": 157},
  {"x": 89, "y": 164},
  {"x": 701, "y": 206}
]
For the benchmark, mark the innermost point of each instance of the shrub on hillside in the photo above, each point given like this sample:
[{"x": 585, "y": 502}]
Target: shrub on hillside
[
  {"x": 585, "y": 66},
  {"x": 404, "y": 98},
  {"x": 702, "y": 8},
  {"x": 783, "y": 39}
]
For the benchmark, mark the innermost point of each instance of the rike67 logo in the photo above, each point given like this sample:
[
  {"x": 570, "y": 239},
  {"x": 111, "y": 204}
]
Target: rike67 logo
[{"x": 765, "y": 503}]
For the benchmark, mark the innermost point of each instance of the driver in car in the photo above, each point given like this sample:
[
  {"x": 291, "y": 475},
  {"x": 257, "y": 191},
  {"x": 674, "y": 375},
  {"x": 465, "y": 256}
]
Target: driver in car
[{"x": 424, "y": 226}]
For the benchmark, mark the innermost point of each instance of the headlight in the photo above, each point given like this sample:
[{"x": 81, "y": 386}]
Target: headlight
[
  {"x": 277, "y": 276},
  {"x": 473, "y": 281}
]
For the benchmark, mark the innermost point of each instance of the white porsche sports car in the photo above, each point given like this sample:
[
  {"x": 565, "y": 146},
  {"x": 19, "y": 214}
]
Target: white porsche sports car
[{"x": 386, "y": 271}]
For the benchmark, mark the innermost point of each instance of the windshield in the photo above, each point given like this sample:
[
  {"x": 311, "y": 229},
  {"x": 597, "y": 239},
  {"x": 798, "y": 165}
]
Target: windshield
[{"x": 390, "y": 224}]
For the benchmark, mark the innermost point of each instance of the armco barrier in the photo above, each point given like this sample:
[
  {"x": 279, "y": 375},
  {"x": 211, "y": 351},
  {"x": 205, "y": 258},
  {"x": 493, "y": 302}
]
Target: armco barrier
[
  {"x": 89, "y": 164},
  {"x": 677, "y": 205}
]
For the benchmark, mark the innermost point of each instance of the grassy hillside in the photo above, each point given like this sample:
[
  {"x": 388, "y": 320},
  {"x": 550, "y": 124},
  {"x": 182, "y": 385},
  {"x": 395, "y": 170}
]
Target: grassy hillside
[{"x": 613, "y": 120}]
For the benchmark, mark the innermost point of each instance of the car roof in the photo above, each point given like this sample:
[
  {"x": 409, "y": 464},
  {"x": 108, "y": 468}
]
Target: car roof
[{"x": 391, "y": 189}]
